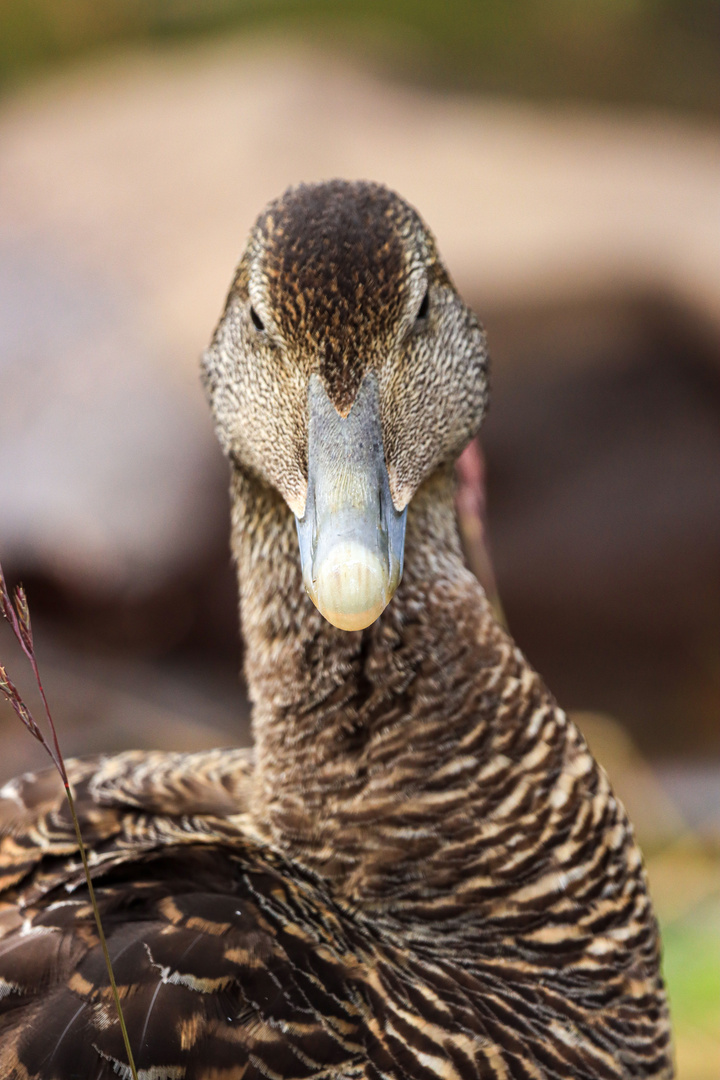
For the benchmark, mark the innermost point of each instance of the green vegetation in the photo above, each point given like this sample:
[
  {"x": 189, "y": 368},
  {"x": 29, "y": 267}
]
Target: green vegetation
[
  {"x": 691, "y": 961},
  {"x": 638, "y": 51},
  {"x": 692, "y": 969}
]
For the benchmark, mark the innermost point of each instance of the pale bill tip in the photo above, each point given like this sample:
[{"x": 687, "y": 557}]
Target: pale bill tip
[{"x": 351, "y": 586}]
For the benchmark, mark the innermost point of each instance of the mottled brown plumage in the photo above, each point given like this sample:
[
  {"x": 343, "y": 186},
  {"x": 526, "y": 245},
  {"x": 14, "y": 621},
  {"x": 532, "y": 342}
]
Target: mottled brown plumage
[{"x": 421, "y": 872}]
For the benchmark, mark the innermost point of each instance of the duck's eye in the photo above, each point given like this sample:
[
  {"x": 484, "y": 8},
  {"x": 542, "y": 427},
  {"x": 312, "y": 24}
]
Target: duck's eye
[
  {"x": 257, "y": 321},
  {"x": 424, "y": 307}
]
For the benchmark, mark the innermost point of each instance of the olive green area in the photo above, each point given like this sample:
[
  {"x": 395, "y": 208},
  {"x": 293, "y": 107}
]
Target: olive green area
[
  {"x": 692, "y": 970},
  {"x": 691, "y": 950},
  {"x": 645, "y": 52}
]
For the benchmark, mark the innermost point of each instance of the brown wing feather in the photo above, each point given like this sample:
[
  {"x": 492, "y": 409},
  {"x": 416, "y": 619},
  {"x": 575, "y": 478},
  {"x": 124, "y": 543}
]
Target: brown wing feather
[
  {"x": 219, "y": 955},
  {"x": 109, "y": 791}
]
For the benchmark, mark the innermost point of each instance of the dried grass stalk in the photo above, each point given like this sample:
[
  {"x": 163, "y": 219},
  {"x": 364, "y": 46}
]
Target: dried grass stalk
[{"x": 17, "y": 613}]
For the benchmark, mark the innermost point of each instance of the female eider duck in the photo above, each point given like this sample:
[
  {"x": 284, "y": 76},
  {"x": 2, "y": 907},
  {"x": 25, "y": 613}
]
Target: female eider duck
[{"x": 420, "y": 872}]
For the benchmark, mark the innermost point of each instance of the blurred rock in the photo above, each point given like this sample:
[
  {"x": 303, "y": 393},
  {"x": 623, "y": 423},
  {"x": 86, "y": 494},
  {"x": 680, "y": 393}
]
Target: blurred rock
[
  {"x": 603, "y": 452},
  {"x": 112, "y": 487},
  {"x": 105, "y": 463}
]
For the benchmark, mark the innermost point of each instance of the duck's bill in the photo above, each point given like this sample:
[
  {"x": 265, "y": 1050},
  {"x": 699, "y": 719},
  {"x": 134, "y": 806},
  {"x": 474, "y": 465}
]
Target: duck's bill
[{"x": 351, "y": 536}]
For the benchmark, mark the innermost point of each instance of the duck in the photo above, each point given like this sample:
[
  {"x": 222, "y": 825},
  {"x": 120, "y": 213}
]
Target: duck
[{"x": 419, "y": 871}]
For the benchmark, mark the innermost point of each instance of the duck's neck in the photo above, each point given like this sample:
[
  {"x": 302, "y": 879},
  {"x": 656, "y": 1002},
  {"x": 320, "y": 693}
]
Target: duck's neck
[{"x": 377, "y": 750}]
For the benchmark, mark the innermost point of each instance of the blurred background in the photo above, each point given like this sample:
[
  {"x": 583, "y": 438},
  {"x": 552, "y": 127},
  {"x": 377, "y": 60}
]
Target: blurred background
[{"x": 567, "y": 157}]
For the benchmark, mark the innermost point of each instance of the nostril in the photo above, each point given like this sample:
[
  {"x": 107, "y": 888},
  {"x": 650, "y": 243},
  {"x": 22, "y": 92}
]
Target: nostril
[
  {"x": 257, "y": 321},
  {"x": 424, "y": 307}
]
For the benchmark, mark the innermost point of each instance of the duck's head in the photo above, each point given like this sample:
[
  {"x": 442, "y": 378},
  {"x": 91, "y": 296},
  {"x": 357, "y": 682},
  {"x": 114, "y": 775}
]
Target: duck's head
[{"x": 345, "y": 370}]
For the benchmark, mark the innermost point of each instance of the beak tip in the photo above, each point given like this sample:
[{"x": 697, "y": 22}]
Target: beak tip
[{"x": 351, "y": 587}]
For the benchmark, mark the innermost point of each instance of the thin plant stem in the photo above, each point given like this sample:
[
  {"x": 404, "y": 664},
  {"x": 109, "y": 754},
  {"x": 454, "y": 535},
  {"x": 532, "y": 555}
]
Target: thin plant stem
[
  {"x": 101, "y": 933},
  {"x": 17, "y": 614}
]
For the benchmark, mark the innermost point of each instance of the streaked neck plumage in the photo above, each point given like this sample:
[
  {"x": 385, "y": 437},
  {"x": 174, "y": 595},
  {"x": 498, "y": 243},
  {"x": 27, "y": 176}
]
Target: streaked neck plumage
[{"x": 391, "y": 759}]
